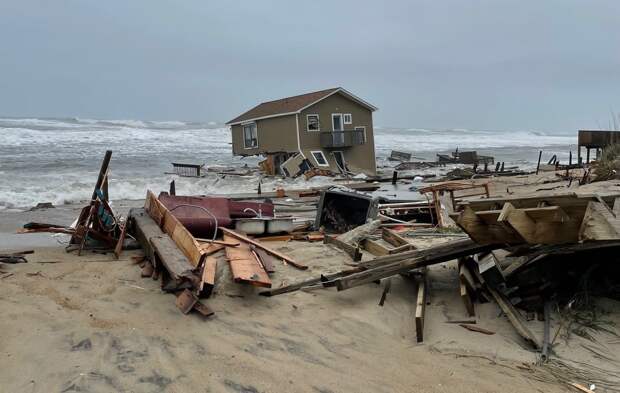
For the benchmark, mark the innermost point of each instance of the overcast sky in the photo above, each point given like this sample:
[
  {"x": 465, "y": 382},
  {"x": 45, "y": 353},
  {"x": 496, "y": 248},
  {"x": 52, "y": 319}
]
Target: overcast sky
[{"x": 545, "y": 65}]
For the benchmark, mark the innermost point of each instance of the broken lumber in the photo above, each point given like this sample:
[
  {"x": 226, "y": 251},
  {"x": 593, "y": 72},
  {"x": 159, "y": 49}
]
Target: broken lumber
[
  {"x": 477, "y": 329},
  {"x": 353, "y": 251},
  {"x": 232, "y": 234},
  {"x": 419, "y": 309},
  {"x": 401, "y": 263},
  {"x": 515, "y": 318},
  {"x": 245, "y": 266}
]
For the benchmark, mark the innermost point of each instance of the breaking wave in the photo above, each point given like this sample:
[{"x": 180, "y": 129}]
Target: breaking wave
[{"x": 57, "y": 160}]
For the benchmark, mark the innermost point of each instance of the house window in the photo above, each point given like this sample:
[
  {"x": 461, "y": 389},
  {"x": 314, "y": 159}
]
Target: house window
[
  {"x": 250, "y": 136},
  {"x": 313, "y": 123},
  {"x": 319, "y": 157},
  {"x": 362, "y": 137},
  {"x": 348, "y": 118}
]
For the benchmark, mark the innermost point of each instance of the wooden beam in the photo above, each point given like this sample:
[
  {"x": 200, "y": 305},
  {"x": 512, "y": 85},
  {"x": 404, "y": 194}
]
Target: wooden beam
[
  {"x": 409, "y": 260},
  {"x": 469, "y": 305},
  {"x": 519, "y": 221},
  {"x": 354, "y": 252},
  {"x": 394, "y": 238},
  {"x": 375, "y": 248},
  {"x": 515, "y": 318},
  {"x": 485, "y": 230},
  {"x": 232, "y": 234},
  {"x": 207, "y": 281},
  {"x": 244, "y": 265},
  {"x": 175, "y": 262},
  {"x": 419, "y": 310},
  {"x": 173, "y": 227},
  {"x": 547, "y": 214},
  {"x": 599, "y": 223}
]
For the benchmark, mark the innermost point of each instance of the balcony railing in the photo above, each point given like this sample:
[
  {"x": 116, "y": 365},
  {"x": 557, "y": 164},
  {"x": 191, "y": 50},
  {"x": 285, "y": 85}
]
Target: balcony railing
[{"x": 346, "y": 138}]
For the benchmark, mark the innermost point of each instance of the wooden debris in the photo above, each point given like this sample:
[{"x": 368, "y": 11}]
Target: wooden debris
[
  {"x": 477, "y": 329},
  {"x": 419, "y": 310},
  {"x": 245, "y": 266},
  {"x": 121, "y": 239},
  {"x": 207, "y": 281},
  {"x": 232, "y": 234},
  {"x": 465, "y": 296},
  {"x": 515, "y": 318},
  {"x": 581, "y": 387},
  {"x": 353, "y": 251},
  {"x": 186, "y": 301},
  {"x": 147, "y": 270},
  {"x": 387, "y": 284}
]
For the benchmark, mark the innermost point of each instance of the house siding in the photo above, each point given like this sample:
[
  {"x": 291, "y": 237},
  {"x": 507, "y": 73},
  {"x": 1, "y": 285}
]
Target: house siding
[
  {"x": 360, "y": 158},
  {"x": 278, "y": 134}
]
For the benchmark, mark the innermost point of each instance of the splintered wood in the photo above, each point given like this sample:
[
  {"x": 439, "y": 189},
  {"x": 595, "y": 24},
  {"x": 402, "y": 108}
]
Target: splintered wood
[
  {"x": 245, "y": 267},
  {"x": 545, "y": 219}
]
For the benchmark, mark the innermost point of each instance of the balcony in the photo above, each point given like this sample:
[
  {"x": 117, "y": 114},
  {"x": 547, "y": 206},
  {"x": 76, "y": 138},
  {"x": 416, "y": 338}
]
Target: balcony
[{"x": 338, "y": 139}]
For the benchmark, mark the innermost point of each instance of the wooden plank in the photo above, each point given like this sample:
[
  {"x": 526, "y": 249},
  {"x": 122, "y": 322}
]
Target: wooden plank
[
  {"x": 244, "y": 265},
  {"x": 469, "y": 305},
  {"x": 406, "y": 261},
  {"x": 121, "y": 240},
  {"x": 519, "y": 221},
  {"x": 488, "y": 216},
  {"x": 280, "y": 238},
  {"x": 220, "y": 242},
  {"x": 210, "y": 249},
  {"x": 173, "y": 227},
  {"x": 175, "y": 262},
  {"x": 393, "y": 238},
  {"x": 616, "y": 208},
  {"x": 267, "y": 260},
  {"x": 419, "y": 310},
  {"x": 144, "y": 229},
  {"x": 477, "y": 329},
  {"x": 475, "y": 227},
  {"x": 186, "y": 301},
  {"x": 515, "y": 318},
  {"x": 374, "y": 247},
  {"x": 547, "y": 213},
  {"x": 599, "y": 223},
  {"x": 232, "y": 234},
  {"x": 208, "y": 272},
  {"x": 466, "y": 278},
  {"x": 354, "y": 252}
]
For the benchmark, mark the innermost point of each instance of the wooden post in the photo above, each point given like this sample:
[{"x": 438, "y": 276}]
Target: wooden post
[
  {"x": 587, "y": 155},
  {"x": 538, "y": 165},
  {"x": 394, "y": 177},
  {"x": 570, "y": 157},
  {"x": 173, "y": 190}
]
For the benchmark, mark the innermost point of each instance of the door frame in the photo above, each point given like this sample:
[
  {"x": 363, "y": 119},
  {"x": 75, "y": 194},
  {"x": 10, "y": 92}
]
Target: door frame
[{"x": 344, "y": 161}]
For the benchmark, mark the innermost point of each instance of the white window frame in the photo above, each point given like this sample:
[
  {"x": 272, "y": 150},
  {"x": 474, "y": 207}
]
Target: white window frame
[
  {"x": 244, "y": 138},
  {"x": 318, "y": 120},
  {"x": 322, "y": 155},
  {"x": 363, "y": 128},
  {"x": 344, "y": 118},
  {"x": 341, "y": 121}
]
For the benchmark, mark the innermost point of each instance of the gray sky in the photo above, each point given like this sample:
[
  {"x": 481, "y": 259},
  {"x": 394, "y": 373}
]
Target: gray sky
[{"x": 548, "y": 65}]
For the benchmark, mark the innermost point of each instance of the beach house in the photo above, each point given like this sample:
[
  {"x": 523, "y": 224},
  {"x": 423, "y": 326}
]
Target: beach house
[{"x": 327, "y": 129}]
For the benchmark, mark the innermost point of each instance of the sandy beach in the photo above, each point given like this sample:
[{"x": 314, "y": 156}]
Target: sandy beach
[{"x": 91, "y": 323}]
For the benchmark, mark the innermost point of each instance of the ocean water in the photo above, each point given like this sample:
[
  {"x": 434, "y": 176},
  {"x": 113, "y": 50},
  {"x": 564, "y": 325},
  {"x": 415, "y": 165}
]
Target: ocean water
[{"x": 57, "y": 160}]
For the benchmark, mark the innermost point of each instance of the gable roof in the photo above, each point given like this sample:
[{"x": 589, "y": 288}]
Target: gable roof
[{"x": 292, "y": 105}]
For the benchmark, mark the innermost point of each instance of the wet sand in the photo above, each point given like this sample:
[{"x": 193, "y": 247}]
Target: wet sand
[{"x": 92, "y": 324}]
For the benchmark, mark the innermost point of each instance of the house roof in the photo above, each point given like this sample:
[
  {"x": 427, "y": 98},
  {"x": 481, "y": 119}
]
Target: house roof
[{"x": 292, "y": 105}]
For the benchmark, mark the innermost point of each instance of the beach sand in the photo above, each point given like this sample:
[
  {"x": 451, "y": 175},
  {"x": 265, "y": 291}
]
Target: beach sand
[{"x": 92, "y": 324}]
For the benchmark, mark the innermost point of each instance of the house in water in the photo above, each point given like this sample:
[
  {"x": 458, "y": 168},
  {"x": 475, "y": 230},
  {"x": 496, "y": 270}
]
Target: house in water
[{"x": 328, "y": 129}]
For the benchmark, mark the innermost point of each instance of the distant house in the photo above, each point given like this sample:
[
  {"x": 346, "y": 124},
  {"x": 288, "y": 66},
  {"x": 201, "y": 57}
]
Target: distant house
[{"x": 328, "y": 129}]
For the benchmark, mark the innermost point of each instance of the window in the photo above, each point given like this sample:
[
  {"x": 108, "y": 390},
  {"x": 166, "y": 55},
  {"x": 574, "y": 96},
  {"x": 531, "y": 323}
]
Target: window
[
  {"x": 319, "y": 157},
  {"x": 250, "y": 136},
  {"x": 348, "y": 118},
  {"x": 313, "y": 123},
  {"x": 337, "y": 122},
  {"x": 360, "y": 137}
]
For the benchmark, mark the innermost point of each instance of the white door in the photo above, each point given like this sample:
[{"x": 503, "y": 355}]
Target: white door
[{"x": 337, "y": 129}]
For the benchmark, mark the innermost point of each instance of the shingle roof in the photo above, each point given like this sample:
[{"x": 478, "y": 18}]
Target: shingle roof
[{"x": 282, "y": 106}]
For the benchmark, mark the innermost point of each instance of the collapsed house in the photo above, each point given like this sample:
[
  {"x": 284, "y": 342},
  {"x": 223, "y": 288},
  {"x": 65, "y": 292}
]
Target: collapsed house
[{"x": 328, "y": 130}]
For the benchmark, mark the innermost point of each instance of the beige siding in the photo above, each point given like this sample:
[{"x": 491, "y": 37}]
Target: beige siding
[
  {"x": 359, "y": 158},
  {"x": 278, "y": 134}
]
